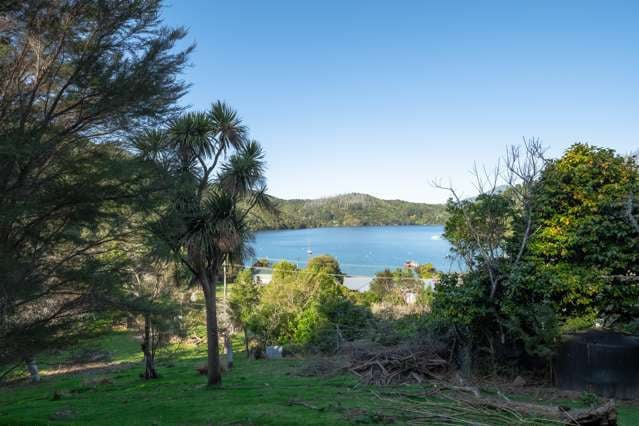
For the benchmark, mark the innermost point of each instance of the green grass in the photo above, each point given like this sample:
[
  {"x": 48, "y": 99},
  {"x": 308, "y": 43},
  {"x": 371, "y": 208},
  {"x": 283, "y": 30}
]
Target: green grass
[{"x": 254, "y": 392}]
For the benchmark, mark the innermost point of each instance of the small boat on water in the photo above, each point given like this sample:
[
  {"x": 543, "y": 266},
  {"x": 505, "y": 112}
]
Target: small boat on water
[{"x": 411, "y": 264}]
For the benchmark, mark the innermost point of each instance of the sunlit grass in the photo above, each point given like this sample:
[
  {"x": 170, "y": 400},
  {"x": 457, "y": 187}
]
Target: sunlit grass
[{"x": 254, "y": 392}]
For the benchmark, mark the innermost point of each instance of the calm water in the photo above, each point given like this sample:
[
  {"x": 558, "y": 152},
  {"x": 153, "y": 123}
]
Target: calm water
[{"x": 361, "y": 250}]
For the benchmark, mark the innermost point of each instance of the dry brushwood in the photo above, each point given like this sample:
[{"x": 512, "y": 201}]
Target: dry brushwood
[
  {"x": 447, "y": 405},
  {"x": 397, "y": 365}
]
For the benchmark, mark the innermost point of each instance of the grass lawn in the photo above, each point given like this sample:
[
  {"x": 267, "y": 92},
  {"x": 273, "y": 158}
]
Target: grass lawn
[{"x": 254, "y": 392}]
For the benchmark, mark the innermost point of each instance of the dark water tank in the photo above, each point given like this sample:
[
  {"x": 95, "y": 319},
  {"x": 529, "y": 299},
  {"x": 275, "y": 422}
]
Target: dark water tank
[{"x": 602, "y": 362}]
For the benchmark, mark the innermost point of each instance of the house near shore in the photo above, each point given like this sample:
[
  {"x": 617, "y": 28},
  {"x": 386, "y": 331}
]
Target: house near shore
[
  {"x": 262, "y": 276},
  {"x": 410, "y": 297}
]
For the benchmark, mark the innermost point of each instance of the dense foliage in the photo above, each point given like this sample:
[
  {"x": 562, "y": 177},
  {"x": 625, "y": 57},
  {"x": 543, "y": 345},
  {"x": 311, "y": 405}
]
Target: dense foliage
[
  {"x": 305, "y": 307},
  {"x": 586, "y": 241},
  {"x": 563, "y": 257},
  {"x": 311, "y": 309},
  {"x": 348, "y": 210}
]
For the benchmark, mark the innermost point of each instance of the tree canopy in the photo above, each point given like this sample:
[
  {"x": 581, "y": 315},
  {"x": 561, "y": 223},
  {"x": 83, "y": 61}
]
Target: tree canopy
[
  {"x": 77, "y": 77},
  {"x": 585, "y": 241}
]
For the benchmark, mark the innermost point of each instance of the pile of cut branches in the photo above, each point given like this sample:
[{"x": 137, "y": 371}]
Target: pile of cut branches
[{"x": 397, "y": 365}]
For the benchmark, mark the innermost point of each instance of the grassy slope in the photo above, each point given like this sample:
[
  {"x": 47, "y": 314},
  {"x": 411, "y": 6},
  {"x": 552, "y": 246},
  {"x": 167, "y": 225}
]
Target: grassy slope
[
  {"x": 255, "y": 392},
  {"x": 349, "y": 210}
]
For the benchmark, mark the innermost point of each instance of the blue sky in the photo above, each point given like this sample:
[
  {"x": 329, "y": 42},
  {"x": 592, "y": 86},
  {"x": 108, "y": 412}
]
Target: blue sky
[{"x": 382, "y": 97}]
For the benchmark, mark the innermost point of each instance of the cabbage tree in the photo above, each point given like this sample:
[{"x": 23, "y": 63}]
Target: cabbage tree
[{"x": 212, "y": 177}]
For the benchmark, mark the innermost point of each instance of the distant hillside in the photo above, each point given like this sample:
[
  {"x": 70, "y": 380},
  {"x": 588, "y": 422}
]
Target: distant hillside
[{"x": 349, "y": 210}]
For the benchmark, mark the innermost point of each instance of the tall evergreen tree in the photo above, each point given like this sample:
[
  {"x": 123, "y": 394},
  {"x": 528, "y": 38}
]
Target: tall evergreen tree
[{"x": 77, "y": 76}]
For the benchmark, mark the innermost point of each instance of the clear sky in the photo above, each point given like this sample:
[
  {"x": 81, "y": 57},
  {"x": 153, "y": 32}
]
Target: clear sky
[{"x": 382, "y": 97}]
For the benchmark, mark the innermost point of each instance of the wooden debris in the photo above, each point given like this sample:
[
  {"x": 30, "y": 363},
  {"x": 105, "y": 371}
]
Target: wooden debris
[{"x": 397, "y": 365}]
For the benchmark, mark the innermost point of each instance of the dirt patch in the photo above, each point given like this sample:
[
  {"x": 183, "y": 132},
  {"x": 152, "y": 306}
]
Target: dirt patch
[{"x": 89, "y": 368}]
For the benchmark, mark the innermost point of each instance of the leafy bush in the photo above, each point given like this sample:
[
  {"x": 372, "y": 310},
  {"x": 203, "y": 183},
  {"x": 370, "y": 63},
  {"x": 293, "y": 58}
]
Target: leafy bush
[{"x": 308, "y": 307}]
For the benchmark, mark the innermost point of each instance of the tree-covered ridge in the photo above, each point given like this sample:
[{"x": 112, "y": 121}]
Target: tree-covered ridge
[{"x": 349, "y": 210}]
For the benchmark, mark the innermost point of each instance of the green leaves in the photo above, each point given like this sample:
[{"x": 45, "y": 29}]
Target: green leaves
[
  {"x": 584, "y": 233},
  {"x": 307, "y": 306},
  {"x": 243, "y": 174},
  {"x": 191, "y": 135},
  {"x": 227, "y": 127},
  {"x": 214, "y": 177}
]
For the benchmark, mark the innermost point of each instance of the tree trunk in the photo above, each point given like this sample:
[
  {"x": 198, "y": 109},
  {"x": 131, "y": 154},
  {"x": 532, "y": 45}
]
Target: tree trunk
[
  {"x": 228, "y": 347},
  {"x": 33, "y": 369},
  {"x": 147, "y": 348},
  {"x": 246, "y": 342},
  {"x": 213, "y": 358},
  {"x": 465, "y": 360}
]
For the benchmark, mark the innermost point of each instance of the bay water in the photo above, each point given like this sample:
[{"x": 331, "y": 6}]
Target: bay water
[{"x": 360, "y": 250}]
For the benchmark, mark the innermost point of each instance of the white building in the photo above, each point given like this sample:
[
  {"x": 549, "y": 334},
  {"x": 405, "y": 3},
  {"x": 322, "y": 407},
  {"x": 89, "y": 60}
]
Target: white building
[{"x": 262, "y": 275}]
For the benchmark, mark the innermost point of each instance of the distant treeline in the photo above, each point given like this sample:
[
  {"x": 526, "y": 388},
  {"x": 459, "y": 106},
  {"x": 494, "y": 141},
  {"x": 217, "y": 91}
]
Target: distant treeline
[{"x": 348, "y": 210}]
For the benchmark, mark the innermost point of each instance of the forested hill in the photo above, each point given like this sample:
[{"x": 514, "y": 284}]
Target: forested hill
[{"x": 348, "y": 210}]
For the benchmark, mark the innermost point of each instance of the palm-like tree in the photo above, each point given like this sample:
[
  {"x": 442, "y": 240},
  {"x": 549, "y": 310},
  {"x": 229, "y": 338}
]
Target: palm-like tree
[{"x": 217, "y": 179}]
